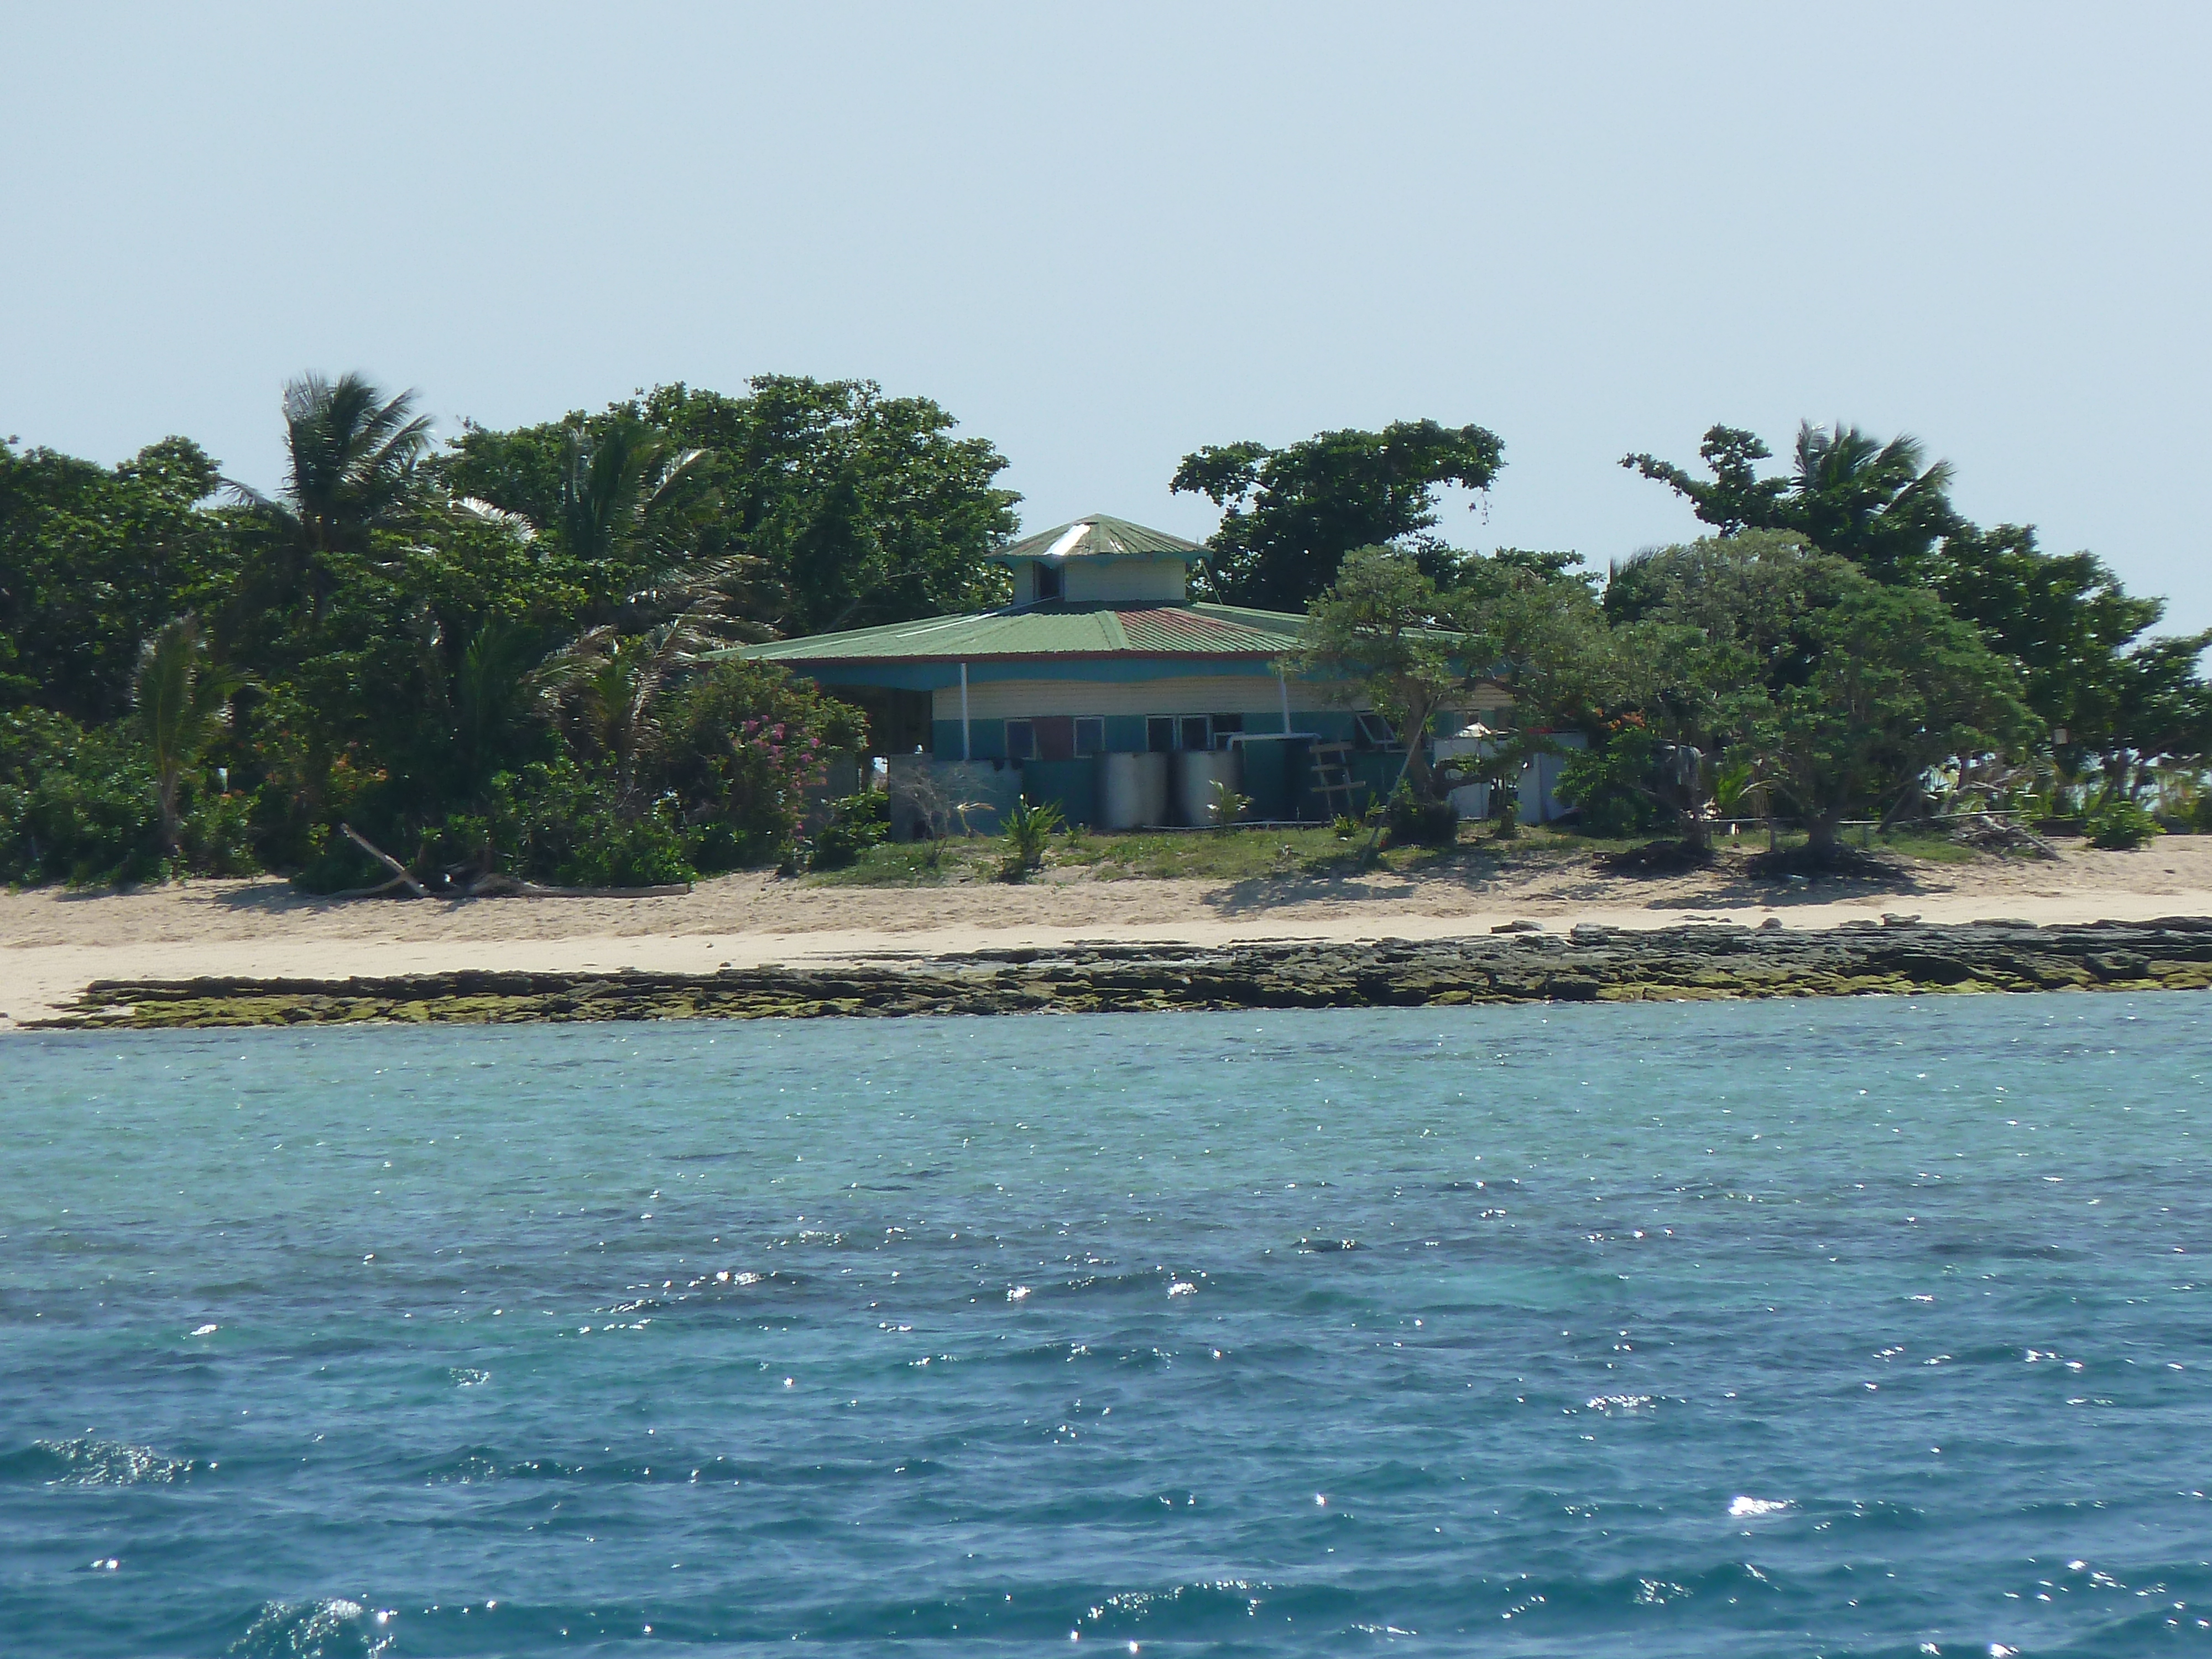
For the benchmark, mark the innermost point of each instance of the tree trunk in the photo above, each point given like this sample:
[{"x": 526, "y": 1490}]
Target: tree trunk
[{"x": 167, "y": 783}]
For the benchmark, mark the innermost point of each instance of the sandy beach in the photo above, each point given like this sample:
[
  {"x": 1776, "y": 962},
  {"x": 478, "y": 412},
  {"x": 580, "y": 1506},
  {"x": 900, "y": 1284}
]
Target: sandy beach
[{"x": 54, "y": 942}]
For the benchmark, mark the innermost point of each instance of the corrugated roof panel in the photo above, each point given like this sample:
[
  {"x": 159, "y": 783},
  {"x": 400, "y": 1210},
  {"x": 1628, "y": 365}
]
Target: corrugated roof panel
[
  {"x": 1101, "y": 536},
  {"x": 1051, "y": 630}
]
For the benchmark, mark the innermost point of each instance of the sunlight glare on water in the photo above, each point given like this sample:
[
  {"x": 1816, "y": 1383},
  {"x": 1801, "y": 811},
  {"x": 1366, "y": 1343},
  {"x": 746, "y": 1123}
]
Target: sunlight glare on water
[{"x": 1859, "y": 1327}]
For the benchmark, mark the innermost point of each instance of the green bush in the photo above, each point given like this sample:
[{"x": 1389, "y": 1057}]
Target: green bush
[
  {"x": 558, "y": 822},
  {"x": 1610, "y": 787},
  {"x": 1423, "y": 823},
  {"x": 2120, "y": 826},
  {"x": 217, "y": 835},
  {"x": 1028, "y": 828},
  {"x": 75, "y": 804},
  {"x": 1225, "y": 806},
  {"x": 856, "y": 823}
]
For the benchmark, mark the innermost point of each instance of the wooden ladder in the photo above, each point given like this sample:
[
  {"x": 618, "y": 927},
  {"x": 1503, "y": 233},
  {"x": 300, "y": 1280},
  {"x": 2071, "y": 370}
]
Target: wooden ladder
[{"x": 1332, "y": 776}]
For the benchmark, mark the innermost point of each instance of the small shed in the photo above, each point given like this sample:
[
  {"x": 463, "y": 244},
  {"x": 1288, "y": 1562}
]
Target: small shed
[{"x": 1102, "y": 657}]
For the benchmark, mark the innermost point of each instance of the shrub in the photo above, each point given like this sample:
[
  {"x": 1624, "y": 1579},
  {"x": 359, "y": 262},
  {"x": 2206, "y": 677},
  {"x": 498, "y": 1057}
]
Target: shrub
[
  {"x": 216, "y": 835},
  {"x": 1421, "y": 822},
  {"x": 745, "y": 741},
  {"x": 1609, "y": 785},
  {"x": 2120, "y": 826},
  {"x": 1028, "y": 828},
  {"x": 557, "y": 822},
  {"x": 75, "y": 804},
  {"x": 1225, "y": 806},
  {"x": 856, "y": 823}
]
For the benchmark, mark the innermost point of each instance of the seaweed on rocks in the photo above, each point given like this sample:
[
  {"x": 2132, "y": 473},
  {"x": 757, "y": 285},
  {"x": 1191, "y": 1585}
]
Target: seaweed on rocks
[{"x": 1693, "y": 962}]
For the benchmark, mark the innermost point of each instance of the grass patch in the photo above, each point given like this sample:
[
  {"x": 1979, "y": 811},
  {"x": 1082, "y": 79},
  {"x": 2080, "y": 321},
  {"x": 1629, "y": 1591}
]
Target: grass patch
[
  {"x": 1306, "y": 852},
  {"x": 917, "y": 864},
  {"x": 1929, "y": 846},
  {"x": 1228, "y": 855}
]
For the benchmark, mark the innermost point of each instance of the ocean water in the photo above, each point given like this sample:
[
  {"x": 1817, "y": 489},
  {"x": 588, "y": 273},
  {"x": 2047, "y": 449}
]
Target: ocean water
[{"x": 1870, "y": 1327}]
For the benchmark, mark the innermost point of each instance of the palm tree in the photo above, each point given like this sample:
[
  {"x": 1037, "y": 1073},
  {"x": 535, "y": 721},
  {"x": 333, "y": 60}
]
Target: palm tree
[
  {"x": 624, "y": 490},
  {"x": 351, "y": 464},
  {"x": 182, "y": 701},
  {"x": 1875, "y": 503},
  {"x": 610, "y": 684},
  {"x": 492, "y": 690}
]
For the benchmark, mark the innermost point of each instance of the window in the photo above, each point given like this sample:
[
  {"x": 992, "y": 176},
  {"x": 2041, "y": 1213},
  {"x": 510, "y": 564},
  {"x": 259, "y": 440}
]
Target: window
[
  {"x": 1021, "y": 740},
  {"x": 1195, "y": 732},
  {"x": 1089, "y": 734},
  {"x": 1159, "y": 733},
  {"x": 1374, "y": 730},
  {"x": 1047, "y": 581},
  {"x": 1223, "y": 727}
]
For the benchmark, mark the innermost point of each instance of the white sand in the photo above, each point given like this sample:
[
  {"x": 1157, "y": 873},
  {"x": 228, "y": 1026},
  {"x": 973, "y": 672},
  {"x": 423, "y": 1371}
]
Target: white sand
[{"x": 52, "y": 944}]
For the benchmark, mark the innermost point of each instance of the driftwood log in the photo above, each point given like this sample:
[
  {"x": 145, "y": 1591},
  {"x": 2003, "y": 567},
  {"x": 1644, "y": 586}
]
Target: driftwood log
[
  {"x": 399, "y": 876},
  {"x": 494, "y": 886}
]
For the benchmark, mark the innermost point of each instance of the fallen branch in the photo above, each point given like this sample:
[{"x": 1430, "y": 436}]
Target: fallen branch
[{"x": 399, "y": 876}]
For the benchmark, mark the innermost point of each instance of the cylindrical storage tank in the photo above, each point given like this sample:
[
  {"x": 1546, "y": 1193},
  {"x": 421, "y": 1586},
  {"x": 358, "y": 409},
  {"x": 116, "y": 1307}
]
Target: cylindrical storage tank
[
  {"x": 1196, "y": 772},
  {"x": 1132, "y": 791}
]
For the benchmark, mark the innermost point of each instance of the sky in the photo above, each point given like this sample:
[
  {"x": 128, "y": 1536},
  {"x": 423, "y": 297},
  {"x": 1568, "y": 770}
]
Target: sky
[{"x": 1101, "y": 236}]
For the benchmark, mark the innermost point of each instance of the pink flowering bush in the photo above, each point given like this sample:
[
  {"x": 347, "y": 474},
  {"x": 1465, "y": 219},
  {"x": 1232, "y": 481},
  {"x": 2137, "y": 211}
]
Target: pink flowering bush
[{"x": 746, "y": 742}]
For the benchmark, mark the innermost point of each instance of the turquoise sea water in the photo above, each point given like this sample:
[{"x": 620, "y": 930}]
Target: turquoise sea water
[{"x": 1875, "y": 1327}]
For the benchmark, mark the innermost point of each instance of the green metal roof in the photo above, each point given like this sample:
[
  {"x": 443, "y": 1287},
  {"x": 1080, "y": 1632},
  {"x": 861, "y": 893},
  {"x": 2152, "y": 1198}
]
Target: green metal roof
[
  {"x": 1051, "y": 630},
  {"x": 1099, "y": 537}
]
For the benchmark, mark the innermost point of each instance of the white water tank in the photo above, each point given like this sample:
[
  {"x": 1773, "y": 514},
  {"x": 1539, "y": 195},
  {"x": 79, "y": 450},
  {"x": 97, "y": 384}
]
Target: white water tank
[
  {"x": 1196, "y": 772},
  {"x": 1132, "y": 791}
]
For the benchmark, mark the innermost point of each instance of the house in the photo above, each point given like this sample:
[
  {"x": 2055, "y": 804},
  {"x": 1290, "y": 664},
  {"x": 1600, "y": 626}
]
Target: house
[{"x": 1104, "y": 687}]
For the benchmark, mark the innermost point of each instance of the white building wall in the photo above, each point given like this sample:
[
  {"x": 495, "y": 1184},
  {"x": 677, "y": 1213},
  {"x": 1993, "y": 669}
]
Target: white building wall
[
  {"x": 1122, "y": 581},
  {"x": 1183, "y": 694}
]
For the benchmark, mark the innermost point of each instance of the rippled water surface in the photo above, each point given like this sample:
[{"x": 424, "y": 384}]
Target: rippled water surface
[{"x": 1864, "y": 1327}]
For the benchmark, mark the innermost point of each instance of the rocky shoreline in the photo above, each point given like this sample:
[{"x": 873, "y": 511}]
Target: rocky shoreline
[{"x": 1897, "y": 955}]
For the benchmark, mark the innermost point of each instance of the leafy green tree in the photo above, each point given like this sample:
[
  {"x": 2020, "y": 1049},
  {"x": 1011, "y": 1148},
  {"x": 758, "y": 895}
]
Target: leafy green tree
[
  {"x": 1706, "y": 632},
  {"x": 612, "y": 686},
  {"x": 1384, "y": 631},
  {"x": 2126, "y": 703},
  {"x": 93, "y": 559},
  {"x": 858, "y": 508},
  {"x": 1291, "y": 515},
  {"x": 1841, "y": 692},
  {"x": 1879, "y": 504},
  {"x": 1894, "y": 686}
]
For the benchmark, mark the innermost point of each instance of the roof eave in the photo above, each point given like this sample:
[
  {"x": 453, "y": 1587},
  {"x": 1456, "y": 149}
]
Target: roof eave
[{"x": 1138, "y": 653}]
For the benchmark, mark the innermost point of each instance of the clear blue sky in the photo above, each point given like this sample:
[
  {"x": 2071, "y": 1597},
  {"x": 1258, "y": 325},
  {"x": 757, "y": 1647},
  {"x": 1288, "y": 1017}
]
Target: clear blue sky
[{"x": 1104, "y": 235}]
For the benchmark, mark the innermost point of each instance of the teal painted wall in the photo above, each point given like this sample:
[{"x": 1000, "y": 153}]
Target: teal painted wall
[
  {"x": 987, "y": 739},
  {"x": 1073, "y": 784}
]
